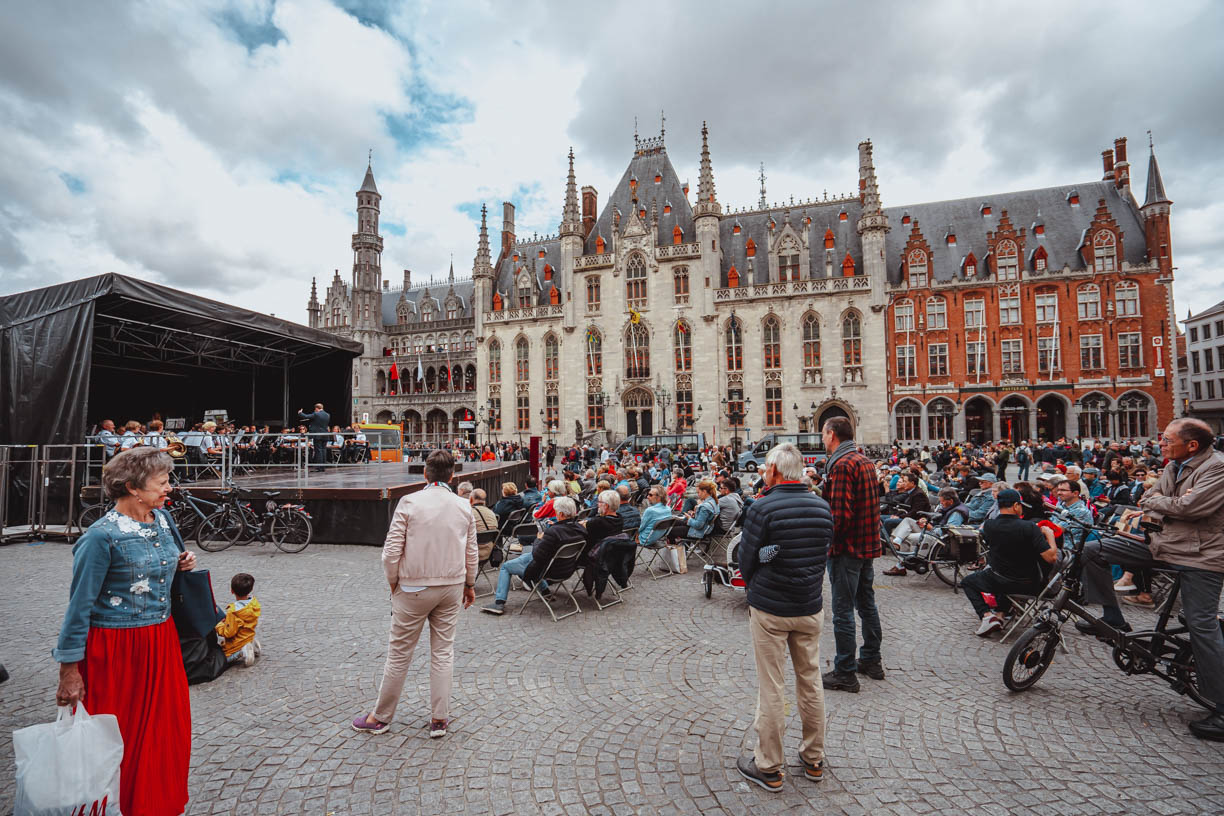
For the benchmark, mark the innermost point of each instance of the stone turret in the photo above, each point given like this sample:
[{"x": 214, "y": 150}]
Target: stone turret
[
  {"x": 314, "y": 311},
  {"x": 706, "y": 213},
  {"x": 872, "y": 226}
]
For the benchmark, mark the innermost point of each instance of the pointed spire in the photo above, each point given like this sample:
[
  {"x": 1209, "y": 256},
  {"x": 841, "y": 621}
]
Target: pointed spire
[
  {"x": 483, "y": 264},
  {"x": 571, "y": 214},
  {"x": 451, "y": 275},
  {"x": 707, "y": 202},
  {"x": 1155, "y": 184},
  {"x": 763, "y": 203},
  {"x": 873, "y": 216},
  {"x": 314, "y": 291},
  {"x": 367, "y": 185}
]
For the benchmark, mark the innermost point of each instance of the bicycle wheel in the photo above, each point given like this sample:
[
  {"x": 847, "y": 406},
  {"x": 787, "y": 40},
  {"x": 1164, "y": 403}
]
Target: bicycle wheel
[
  {"x": 220, "y": 530},
  {"x": 251, "y": 524},
  {"x": 91, "y": 513},
  {"x": 1029, "y": 658},
  {"x": 944, "y": 565},
  {"x": 185, "y": 519},
  {"x": 291, "y": 531}
]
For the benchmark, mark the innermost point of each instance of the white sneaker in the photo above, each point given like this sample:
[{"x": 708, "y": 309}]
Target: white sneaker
[
  {"x": 1125, "y": 586},
  {"x": 248, "y": 654},
  {"x": 258, "y": 648},
  {"x": 990, "y": 622}
]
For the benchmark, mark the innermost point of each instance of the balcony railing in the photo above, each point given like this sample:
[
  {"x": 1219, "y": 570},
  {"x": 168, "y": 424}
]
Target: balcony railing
[
  {"x": 593, "y": 261},
  {"x": 671, "y": 252},
  {"x": 812, "y": 286},
  {"x": 523, "y": 313}
]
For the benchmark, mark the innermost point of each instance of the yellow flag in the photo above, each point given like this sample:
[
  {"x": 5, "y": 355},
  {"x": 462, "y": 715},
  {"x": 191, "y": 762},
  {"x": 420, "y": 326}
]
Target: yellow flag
[{"x": 634, "y": 317}]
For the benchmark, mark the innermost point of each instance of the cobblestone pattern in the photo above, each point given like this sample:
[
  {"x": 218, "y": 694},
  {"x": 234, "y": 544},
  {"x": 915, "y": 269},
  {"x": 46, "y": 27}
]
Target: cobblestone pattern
[{"x": 640, "y": 709}]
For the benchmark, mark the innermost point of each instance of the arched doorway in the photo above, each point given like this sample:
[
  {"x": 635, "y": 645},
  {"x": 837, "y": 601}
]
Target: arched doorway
[
  {"x": 979, "y": 420},
  {"x": 1051, "y": 418},
  {"x": 1014, "y": 419},
  {"x": 412, "y": 427},
  {"x": 639, "y": 412},
  {"x": 435, "y": 426},
  {"x": 833, "y": 411}
]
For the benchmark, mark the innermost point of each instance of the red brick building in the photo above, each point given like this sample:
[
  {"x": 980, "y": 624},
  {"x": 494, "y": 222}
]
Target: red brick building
[{"x": 1036, "y": 314}]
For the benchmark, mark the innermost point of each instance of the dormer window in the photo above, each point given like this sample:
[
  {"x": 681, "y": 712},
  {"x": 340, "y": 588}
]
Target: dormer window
[
  {"x": 828, "y": 239},
  {"x": 1104, "y": 251},
  {"x": 658, "y": 178},
  {"x": 905, "y": 219},
  {"x": 970, "y": 266},
  {"x": 985, "y": 210},
  {"x": 1039, "y": 259},
  {"x": 750, "y": 248},
  {"x": 541, "y": 255},
  {"x": 600, "y": 245},
  {"x": 951, "y": 239},
  {"x": 735, "y": 230},
  {"x": 548, "y": 272},
  {"x": 677, "y": 235},
  {"x": 848, "y": 266},
  {"x": 1073, "y": 198},
  {"x": 667, "y": 208},
  {"x": 733, "y": 279},
  {"x": 1039, "y": 229},
  {"x": 842, "y": 216},
  {"x": 917, "y": 264},
  {"x": 1007, "y": 261}
]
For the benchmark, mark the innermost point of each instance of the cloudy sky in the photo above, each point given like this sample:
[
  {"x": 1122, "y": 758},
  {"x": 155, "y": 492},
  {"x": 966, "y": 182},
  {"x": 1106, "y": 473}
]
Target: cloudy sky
[{"x": 216, "y": 146}]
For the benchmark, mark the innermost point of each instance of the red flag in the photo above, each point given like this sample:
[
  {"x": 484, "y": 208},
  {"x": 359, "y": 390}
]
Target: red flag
[{"x": 394, "y": 372}]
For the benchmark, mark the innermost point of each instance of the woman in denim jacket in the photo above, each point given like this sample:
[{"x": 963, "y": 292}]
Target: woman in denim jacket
[
  {"x": 701, "y": 523},
  {"x": 118, "y": 642}
]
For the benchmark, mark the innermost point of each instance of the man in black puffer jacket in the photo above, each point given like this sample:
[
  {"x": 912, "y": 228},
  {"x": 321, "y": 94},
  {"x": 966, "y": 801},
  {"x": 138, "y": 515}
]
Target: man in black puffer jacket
[{"x": 782, "y": 555}]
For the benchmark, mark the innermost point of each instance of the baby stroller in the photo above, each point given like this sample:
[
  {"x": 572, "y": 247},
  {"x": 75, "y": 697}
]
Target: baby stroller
[{"x": 724, "y": 565}]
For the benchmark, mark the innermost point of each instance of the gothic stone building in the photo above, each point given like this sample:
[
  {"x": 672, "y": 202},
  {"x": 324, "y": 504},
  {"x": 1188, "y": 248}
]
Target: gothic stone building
[
  {"x": 661, "y": 313},
  {"x": 415, "y": 328},
  {"x": 1036, "y": 314}
]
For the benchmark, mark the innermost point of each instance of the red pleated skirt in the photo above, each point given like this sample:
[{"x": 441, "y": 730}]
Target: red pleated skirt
[{"x": 137, "y": 675}]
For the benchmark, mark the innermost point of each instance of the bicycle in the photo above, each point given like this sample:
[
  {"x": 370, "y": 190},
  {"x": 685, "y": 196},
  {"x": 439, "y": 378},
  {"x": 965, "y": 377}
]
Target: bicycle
[
  {"x": 186, "y": 510},
  {"x": 949, "y": 552},
  {"x": 92, "y": 512},
  {"x": 287, "y": 526},
  {"x": 1164, "y": 651}
]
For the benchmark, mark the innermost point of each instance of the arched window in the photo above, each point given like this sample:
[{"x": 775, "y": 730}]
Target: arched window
[
  {"x": 1007, "y": 261},
  {"x": 917, "y": 266},
  {"x": 469, "y": 378},
  {"x": 788, "y": 259},
  {"x": 852, "y": 348},
  {"x": 1088, "y": 299},
  {"x": 750, "y": 248},
  {"x": 635, "y": 282},
  {"x": 1133, "y": 416},
  {"x": 417, "y": 344},
  {"x": 1126, "y": 298},
  {"x": 680, "y": 283},
  {"x": 442, "y": 343},
  {"x": 909, "y": 421},
  {"x": 380, "y": 382},
  {"x": 1104, "y": 251},
  {"x": 735, "y": 345},
  {"x": 430, "y": 384},
  {"x": 936, "y": 313},
  {"x": 940, "y": 413},
  {"x": 811, "y": 349},
  {"x": 772, "y": 343},
  {"x": 594, "y": 353},
  {"x": 903, "y": 316},
  {"x": 552, "y": 354},
  {"x": 592, "y": 293},
  {"x": 469, "y": 341},
  {"x": 637, "y": 352},
  {"x": 522, "y": 360},
  {"x": 683, "y": 340},
  {"x": 773, "y": 401},
  {"x": 1093, "y": 421}
]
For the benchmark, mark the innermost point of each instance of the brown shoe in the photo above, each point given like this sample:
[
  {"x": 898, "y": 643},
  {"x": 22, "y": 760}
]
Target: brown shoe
[
  {"x": 897, "y": 570},
  {"x": 813, "y": 771},
  {"x": 1142, "y": 599}
]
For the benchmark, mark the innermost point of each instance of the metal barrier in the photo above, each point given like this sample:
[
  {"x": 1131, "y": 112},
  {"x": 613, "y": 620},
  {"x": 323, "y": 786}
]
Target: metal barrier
[{"x": 40, "y": 486}]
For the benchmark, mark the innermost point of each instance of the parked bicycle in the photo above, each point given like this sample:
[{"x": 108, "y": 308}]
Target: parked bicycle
[
  {"x": 1164, "y": 651},
  {"x": 287, "y": 526},
  {"x": 188, "y": 511},
  {"x": 950, "y": 552}
]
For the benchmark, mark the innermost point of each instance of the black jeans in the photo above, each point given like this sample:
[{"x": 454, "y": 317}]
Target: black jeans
[{"x": 987, "y": 580}]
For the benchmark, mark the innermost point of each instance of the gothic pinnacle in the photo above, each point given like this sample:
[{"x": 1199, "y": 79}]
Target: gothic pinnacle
[
  {"x": 707, "y": 202},
  {"x": 571, "y": 215}
]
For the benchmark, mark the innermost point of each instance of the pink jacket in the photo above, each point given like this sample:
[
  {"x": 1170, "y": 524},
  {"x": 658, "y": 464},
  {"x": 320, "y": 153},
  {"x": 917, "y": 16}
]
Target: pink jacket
[{"x": 432, "y": 540}]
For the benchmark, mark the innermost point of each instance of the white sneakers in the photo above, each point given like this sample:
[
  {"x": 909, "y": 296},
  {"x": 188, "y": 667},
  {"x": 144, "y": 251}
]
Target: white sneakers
[
  {"x": 1125, "y": 586},
  {"x": 249, "y": 652},
  {"x": 990, "y": 622}
]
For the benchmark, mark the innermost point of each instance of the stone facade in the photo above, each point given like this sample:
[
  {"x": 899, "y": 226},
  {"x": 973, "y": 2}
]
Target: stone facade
[{"x": 425, "y": 331}]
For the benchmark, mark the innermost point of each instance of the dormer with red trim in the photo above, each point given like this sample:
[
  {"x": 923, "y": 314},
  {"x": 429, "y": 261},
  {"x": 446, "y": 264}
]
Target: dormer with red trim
[
  {"x": 554, "y": 296},
  {"x": 1101, "y": 248},
  {"x": 828, "y": 239},
  {"x": 601, "y": 246},
  {"x": 677, "y": 235},
  {"x": 1039, "y": 260},
  {"x": 917, "y": 240},
  {"x": 969, "y": 266},
  {"x": 497, "y": 301},
  {"x": 1073, "y": 198},
  {"x": 750, "y": 247},
  {"x": 848, "y": 266},
  {"x": 733, "y": 278},
  {"x": 985, "y": 210},
  {"x": 548, "y": 271}
]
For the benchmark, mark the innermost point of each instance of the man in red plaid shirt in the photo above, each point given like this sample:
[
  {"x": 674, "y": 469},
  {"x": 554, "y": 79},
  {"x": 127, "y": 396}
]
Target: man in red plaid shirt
[{"x": 852, "y": 490}]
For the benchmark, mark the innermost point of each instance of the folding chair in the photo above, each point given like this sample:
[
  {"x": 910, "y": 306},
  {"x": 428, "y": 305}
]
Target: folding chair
[
  {"x": 562, "y": 567},
  {"x": 486, "y": 538},
  {"x": 608, "y": 546},
  {"x": 1030, "y": 606},
  {"x": 656, "y": 549}
]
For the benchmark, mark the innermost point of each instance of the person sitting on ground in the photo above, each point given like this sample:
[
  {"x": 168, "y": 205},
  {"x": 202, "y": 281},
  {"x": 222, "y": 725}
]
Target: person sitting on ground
[
  {"x": 656, "y": 510},
  {"x": 530, "y": 566},
  {"x": 485, "y": 518},
  {"x": 629, "y": 514},
  {"x": 510, "y": 502},
  {"x": 237, "y": 631},
  {"x": 1017, "y": 556}
]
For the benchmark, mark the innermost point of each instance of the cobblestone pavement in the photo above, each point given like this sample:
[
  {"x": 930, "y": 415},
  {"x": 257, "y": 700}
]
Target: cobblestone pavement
[{"x": 639, "y": 709}]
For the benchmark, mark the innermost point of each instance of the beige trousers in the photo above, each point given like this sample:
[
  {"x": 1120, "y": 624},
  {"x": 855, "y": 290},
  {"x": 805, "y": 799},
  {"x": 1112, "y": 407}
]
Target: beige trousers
[
  {"x": 440, "y": 605},
  {"x": 772, "y": 636}
]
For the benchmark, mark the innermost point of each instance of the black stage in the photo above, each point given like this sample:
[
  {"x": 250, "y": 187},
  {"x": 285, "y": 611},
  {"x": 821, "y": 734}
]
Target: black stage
[{"x": 352, "y": 504}]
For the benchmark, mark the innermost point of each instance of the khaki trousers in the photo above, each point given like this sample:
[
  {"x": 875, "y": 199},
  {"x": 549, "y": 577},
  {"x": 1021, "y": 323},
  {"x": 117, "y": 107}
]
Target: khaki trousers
[
  {"x": 772, "y": 636},
  {"x": 440, "y": 605}
]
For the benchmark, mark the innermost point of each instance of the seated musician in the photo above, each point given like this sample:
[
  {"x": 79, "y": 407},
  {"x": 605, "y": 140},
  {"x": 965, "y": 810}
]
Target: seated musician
[{"x": 1017, "y": 556}]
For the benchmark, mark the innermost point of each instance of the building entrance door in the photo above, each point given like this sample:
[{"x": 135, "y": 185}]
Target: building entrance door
[
  {"x": 639, "y": 412},
  {"x": 1051, "y": 418},
  {"x": 1014, "y": 419},
  {"x": 978, "y": 420}
]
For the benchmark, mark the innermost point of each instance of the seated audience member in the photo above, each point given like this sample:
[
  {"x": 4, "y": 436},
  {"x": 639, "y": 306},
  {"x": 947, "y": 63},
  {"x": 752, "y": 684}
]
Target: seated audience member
[
  {"x": 981, "y": 503},
  {"x": 486, "y": 519},
  {"x": 531, "y": 493},
  {"x": 237, "y": 631},
  {"x": 730, "y": 503},
  {"x": 510, "y": 502},
  {"x": 530, "y": 566},
  {"x": 907, "y": 535},
  {"x": 656, "y": 510},
  {"x": 464, "y": 490},
  {"x": 545, "y": 514},
  {"x": 629, "y": 514},
  {"x": 1017, "y": 557},
  {"x": 703, "y": 517},
  {"x": 606, "y": 521},
  {"x": 676, "y": 489},
  {"x": 571, "y": 482},
  {"x": 908, "y": 503}
]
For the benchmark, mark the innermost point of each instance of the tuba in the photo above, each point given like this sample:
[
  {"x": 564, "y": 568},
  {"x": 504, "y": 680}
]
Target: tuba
[{"x": 175, "y": 446}]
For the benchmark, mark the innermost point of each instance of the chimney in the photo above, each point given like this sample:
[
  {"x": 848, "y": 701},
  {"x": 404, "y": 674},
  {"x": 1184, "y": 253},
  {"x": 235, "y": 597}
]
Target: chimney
[
  {"x": 507, "y": 226},
  {"x": 407, "y": 278},
  {"x": 1121, "y": 165},
  {"x": 1107, "y": 158},
  {"x": 590, "y": 201}
]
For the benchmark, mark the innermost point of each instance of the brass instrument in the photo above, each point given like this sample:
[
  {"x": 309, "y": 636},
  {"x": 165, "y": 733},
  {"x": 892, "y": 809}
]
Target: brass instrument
[{"x": 175, "y": 446}]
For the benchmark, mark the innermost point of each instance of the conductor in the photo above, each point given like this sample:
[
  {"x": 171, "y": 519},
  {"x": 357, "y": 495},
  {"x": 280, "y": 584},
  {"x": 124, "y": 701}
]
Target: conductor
[{"x": 318, "y": 425}]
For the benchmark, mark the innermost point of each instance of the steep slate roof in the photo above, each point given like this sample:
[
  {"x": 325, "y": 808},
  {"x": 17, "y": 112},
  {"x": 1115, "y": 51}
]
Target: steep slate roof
[
  {"x": 367, "y": 184},
  {"x": 438, "y": 290},
  {"x": 1216, "y": 309},
  {"x": 529, "y": 256},
  {"x": 644, "y": 166},
  {"x": 755, "y": 225},
  {"x": 1065, "y": 227},
  {"x": 1155, "y": 184}
]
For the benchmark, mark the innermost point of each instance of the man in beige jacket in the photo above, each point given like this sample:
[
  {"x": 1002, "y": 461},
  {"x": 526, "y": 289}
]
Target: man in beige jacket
[{"x": 430, "y": 560}]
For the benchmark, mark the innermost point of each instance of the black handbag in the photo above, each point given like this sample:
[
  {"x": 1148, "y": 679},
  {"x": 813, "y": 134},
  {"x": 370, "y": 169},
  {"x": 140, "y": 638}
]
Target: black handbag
[{"x": 193, "y": 605}]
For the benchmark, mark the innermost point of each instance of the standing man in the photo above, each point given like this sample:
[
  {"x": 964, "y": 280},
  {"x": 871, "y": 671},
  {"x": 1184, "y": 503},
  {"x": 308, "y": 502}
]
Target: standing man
[
  {"x": 317, "y": 423},
  {"x": 430, "y": 560},
  {"x": 853, "y": 492},
  {"x": 782, "y": 558}
]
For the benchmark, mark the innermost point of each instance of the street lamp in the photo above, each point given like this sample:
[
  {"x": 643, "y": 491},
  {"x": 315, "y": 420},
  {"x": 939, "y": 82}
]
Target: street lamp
[
  {"x": 663, "y": 398},
  {"x": 735, "y": 412}
]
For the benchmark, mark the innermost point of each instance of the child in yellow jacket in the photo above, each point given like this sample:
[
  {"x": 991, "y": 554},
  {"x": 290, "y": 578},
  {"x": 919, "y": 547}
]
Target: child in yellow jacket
[{"x": 237, "y": 631}]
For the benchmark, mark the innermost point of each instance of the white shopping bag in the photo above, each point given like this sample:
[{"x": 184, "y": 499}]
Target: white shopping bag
[{"x": 69, "y": 767}]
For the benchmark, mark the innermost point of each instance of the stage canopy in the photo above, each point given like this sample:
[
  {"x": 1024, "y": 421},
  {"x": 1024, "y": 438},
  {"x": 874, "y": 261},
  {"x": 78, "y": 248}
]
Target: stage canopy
[{"x": 113, "y": 347}]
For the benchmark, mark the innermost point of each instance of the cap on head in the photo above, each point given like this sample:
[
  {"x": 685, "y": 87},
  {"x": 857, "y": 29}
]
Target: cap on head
[
  {"x": 988, "y": 477},
  {"x": 1009, "y": 497}
]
